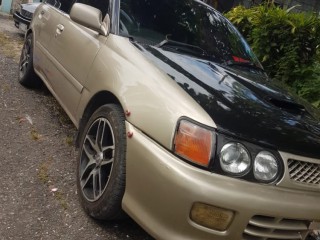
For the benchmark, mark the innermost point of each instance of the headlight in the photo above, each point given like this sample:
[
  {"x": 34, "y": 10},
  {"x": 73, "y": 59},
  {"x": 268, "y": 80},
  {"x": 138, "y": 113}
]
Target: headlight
[
  {"x": 193, "y": 143},
  {"x": 265, "y": 167},
  {"x": 235, "y": 159}
]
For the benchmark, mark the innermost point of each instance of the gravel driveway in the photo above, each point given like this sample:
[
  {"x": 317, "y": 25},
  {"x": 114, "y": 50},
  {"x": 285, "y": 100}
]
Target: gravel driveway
[{"x": 37, "y": 171}]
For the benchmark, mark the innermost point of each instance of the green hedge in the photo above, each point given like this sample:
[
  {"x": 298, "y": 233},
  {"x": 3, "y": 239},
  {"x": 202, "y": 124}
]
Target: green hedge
[{"x": 286, "y": 43}]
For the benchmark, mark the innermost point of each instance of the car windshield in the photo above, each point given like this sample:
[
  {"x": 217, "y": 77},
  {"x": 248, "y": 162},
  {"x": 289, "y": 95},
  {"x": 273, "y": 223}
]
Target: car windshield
[{"x": 185, "y": 26}]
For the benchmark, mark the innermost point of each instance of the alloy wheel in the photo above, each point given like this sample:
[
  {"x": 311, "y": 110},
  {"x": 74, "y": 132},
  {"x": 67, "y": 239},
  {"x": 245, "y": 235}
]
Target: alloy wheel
[
  {"x": 96, "y": 159},
  {"x": 25, "y": 58}
]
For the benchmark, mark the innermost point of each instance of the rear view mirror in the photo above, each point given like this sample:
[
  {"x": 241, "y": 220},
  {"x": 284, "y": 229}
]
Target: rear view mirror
[{"x": 89, "y": 17}]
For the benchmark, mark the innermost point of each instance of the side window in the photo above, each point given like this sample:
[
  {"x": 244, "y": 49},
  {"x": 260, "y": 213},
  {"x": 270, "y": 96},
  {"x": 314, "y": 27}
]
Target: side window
[
  {"x": 103, "y": 6},
  {"x": 55, "y": 3},
  {"x": 63, "y": 5},
  {"x": 128, "y": 23}
]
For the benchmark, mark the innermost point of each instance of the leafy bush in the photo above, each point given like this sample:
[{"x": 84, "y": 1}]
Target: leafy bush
[{"x": 286, "y": 44}]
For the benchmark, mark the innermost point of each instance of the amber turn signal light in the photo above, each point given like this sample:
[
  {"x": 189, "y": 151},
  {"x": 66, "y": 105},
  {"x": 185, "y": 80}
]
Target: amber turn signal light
[{"x": 194, "y": 143}]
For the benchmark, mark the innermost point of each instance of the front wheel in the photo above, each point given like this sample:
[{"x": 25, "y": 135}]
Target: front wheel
[
  {"x": 101, "y": 163},
  {"x": 27, "y": 76}
]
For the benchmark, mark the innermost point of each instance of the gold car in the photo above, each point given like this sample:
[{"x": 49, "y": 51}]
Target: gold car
[{"x": 179, "y": 125}]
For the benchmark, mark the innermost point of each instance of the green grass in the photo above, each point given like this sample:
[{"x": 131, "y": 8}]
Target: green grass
[{"x": 10, "y": 47}]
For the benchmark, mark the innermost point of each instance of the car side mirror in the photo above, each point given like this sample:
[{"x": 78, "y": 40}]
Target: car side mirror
[{"x": 90, "y": 17}]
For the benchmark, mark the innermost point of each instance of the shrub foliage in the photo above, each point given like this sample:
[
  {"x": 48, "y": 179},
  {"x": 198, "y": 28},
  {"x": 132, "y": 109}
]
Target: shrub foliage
[{"x": 286, "y": 43}]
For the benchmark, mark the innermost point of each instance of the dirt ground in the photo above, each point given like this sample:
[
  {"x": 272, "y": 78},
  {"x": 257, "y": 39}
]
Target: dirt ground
[{"x": 38, "y": 197}]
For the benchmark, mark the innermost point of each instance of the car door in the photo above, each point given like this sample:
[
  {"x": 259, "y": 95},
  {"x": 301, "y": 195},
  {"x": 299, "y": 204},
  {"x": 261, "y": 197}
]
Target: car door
[
  {"x": 74, "y": 48},
  {"x": 44, "y": 28},
  {"x": 46, "y": 22}
]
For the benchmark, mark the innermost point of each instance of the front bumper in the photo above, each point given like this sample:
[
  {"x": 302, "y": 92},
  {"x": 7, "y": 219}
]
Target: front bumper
[
  {"x": 18, "y": 18},
  {"x": 161, "y": 189}
]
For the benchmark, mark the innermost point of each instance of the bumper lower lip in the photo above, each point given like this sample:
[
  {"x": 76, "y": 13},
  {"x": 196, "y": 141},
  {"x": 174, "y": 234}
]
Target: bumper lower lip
[
  {"x": 160, "y": 191},
  {"x": 18, "y": 18}
]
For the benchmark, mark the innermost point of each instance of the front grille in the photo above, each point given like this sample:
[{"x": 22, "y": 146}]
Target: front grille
[
  {"x": 26, "y": 14},
  {"x": 270, "y": 228},
  {"x": 304, "y": 172}
]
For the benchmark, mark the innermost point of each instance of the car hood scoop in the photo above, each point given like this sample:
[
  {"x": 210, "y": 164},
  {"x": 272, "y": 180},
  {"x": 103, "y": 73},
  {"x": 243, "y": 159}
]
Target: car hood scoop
[
  {"x": 246, "y": 105},
  {"x": 290, "y": 107},
  {"x": 268, "y": 90}
]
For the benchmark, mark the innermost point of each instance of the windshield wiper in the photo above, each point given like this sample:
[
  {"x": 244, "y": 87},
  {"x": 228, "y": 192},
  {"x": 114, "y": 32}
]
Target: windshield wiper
[
  {"x": 183, "y": 47},
  {"x": 244, "y": 64}
]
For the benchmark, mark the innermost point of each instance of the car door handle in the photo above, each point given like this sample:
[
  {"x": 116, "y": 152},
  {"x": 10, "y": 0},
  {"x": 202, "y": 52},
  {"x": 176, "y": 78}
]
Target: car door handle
[
  {"x": 60, "y": 27},
  {"x": 59, "y": 30}
]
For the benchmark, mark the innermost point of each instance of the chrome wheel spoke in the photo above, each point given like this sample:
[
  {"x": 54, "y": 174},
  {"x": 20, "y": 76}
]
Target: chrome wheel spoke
[
  {"x": 107, "y": 161},
  {"x": 100, "y": 182},
  {"x": 88, "y": 153},
  {"x": 23, "y": 66},
  {"x": 104, "y": 149},
  {"x": 90, "y": 166},
  {"x": 100, "y": 134},
  {"x": 87, "y": 180},
  {"x": 96, "y": 185},
  {"x": 108, "y": 153},
  {"x": 23, "y": 59},
  {"x": 92, "y": 143}
]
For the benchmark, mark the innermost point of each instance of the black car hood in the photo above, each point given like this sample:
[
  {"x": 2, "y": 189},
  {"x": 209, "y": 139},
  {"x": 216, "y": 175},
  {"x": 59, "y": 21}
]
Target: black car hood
[{"x": 246, "y": 105}]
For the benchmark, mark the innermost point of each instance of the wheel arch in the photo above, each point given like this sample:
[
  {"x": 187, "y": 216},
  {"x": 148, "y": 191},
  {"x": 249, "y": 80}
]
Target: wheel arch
[
  {"x": 99, "y": 99},
  {"x": 28, "y": 32}
]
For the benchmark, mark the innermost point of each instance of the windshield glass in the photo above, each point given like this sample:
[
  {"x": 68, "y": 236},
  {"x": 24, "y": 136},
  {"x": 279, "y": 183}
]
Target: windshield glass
[{"x": 180, "y": 25}]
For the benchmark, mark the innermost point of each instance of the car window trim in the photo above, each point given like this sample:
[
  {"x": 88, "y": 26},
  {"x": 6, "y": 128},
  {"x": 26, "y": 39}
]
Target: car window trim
[
  {"x": 59, "y": 9},
  {"x": 114, "y": 16}
]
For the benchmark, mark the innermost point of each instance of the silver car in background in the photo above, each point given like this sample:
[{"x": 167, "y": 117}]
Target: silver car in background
[{"x": 23, "y": 15}]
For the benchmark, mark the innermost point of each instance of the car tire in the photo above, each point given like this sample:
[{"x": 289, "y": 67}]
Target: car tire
[
  {"x": 314, "y": 236},
  {"x": 27, "y": 76},
  {"x": 101, "y": 163}
]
